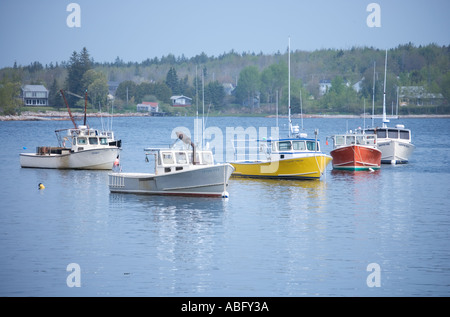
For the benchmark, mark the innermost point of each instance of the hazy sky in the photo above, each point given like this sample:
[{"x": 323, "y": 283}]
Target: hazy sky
[{"x": 135, "y": 30}]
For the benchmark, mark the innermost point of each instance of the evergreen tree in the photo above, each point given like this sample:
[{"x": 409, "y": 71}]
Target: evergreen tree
[
  {"x": 54, "y": 95},
  {"x": 78, "y": 65},
  {"x": 172, "y": 81},
  {"x": 248, "y": 86}
]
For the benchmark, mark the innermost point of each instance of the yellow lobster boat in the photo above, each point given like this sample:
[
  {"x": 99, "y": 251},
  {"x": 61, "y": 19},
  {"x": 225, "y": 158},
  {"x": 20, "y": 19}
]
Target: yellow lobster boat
[
  {"x": 296, "y": 157},
  {"x": 290, "y": 158}
]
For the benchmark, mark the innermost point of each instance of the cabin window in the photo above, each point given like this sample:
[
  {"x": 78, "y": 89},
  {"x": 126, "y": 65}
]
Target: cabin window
[
  {"x": 370, "y": 139},
  {"x": 393, "y": 134},
  {"x": 103, "y": 141},
  {"x": 197, "y": 158},
  {"x": 310, "y": 145},
  {"x": 360, "y": 140},
  {"x": 274, "y": 146},
  {"x": 284, "y": 146},
  {"x": 404, "y": 135},
  {"x": 93, "y": 141},
  {"x": 82, "y": 141},
  {"x": 207, "y": 158},
  {"x": 299, "y": 145},
  {"x": 339, "y": 140},
  {"x": 350, "y": 139},
  {"x": 181, "y": 157},
  {"x": 167, "y": 158},
  {"x": 381, "y": 134}
]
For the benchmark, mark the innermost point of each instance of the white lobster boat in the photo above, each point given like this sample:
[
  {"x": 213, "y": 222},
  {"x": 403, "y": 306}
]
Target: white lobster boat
[
  {"x": 80, "y": 148},
  {"x": 394, "y": 142},
  {"x": 177, "y": 172}
]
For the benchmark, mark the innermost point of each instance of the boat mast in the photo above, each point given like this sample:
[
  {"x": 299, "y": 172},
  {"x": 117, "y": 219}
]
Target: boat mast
[
  {"x": 289, "y": 86},
  {"x": 203, "y": 102},
  {"x": 373, "y": 94},
  {"x": 85, "y": 107},
  {"x": 68, "y": 109},
  {"x": 301, "y": 107},
  {"x": 277, "y": 106},
  {"x": 384, "y": 93}
]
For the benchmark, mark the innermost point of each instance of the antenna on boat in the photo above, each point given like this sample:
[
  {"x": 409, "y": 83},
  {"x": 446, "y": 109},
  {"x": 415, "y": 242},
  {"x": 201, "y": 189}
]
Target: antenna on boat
[
  {"x": 85, "y": 106},
  {"x": 196, "y": 103},
  {"x": 385, "y": 120},
  {"x": 277, "y": 106},
  {"x": 301, "y": 107},
  {"x": 289, "y": 86},
  {"x": 203, "y": 101},
  {"x": 373, "y": 94},
  {"x": 364, "y": 115}
]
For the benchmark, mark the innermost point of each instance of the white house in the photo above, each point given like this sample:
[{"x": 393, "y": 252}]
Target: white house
[
  {"x": 419, "y": 96},
  {"x": 180, "y": 101},
  {"x": 147, "y": 107},
  {"x": 324, "y": 86},
  {"x": 34, "y": 95}
]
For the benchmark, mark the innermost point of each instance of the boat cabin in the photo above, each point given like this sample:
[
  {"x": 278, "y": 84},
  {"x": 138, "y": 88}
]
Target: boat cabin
[
  {"x": 84, "y": 138},
  {"x": 340, "y": 140},
  {"x": 173, "y": 160},
  {"x": 398, "y": 132},
  {"x": 294, "y": 145}
]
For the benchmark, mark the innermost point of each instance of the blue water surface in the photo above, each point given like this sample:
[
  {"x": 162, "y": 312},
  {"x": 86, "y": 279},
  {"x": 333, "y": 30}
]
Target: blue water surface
[{"x": 269, "y": 238}]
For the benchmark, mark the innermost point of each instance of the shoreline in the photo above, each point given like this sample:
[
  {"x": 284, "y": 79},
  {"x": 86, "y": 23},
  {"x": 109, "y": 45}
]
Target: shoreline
[{"x": 64, "y": 116}]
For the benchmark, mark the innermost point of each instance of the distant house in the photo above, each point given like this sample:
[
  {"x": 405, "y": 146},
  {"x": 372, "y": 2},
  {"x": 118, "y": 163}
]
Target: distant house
[
  {"x": 147, "y": 107},
  {"x": 324, "y": 86},
  {"x": 34, "y": 95},
  {"x": 358, "y": 86},
  {"x": 112, "y": 87},
  {"x": 228, "y": 88},
  {"x": 180, "y": 101},
  {"x": 417, "y": 95}
]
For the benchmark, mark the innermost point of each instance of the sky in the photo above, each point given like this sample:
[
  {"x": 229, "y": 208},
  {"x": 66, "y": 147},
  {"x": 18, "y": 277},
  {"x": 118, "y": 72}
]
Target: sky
[{"x": 135, "y": 30}]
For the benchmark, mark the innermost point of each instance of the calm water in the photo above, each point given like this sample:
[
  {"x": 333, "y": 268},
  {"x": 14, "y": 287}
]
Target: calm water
[{"x": 270, "y": 238}]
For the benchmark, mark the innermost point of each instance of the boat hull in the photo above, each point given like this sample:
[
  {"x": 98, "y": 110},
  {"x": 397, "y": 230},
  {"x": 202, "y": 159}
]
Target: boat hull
[
  {"x": 96, "y": 159},
  {"x": 356, "y": 157},
  {"x": 197, "y": 181},
  {"x": 307, "y": 167},
  {"x": 395, "y": 152}
]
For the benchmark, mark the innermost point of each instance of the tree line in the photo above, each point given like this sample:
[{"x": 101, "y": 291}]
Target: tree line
[{"x": 260, "y": 80}]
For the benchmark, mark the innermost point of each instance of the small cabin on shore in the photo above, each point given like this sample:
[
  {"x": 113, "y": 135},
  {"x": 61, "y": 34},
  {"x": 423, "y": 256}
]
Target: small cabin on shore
[
  {"x": 147, "y": 107},
  {"x": 180, "y": 101}
]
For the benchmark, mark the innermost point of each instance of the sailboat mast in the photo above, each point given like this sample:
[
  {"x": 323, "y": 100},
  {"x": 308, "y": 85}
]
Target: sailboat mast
[
  {"x": 289, "y": 86},
  {"x": 384, "y": 93}
]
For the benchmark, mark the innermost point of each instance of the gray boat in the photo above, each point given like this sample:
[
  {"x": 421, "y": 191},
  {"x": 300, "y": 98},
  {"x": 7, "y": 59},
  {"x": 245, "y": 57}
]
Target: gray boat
[{"x": 178, "y": 171}]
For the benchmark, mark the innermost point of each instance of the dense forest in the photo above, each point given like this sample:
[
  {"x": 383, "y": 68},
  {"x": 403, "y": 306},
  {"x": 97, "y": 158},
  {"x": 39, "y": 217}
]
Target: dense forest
[{"x": 246, "y": 83}]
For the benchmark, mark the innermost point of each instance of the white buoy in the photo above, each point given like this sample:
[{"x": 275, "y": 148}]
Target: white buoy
[
  {"x": 225, "y": 194},
  {"x": 393, "y": 162}
]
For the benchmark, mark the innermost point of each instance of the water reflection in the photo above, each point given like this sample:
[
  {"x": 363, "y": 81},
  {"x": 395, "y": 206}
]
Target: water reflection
[{"x": 180, "y": 233}]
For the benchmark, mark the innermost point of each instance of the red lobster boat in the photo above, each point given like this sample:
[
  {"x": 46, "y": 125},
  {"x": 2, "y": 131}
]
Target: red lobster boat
[{"x": 355, "y": 152}]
